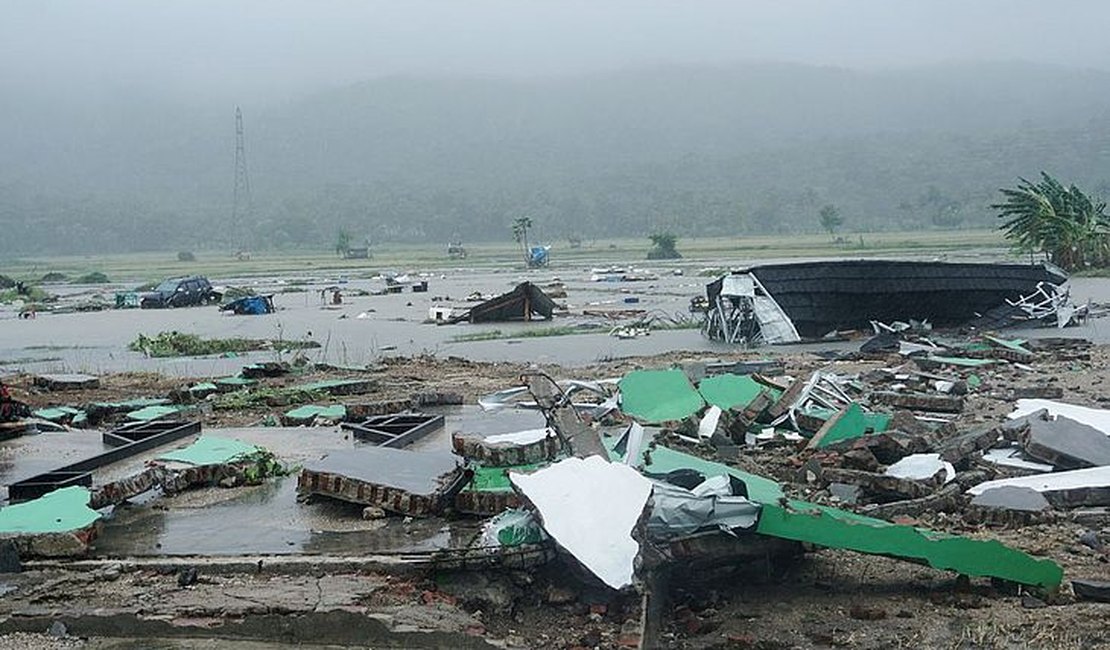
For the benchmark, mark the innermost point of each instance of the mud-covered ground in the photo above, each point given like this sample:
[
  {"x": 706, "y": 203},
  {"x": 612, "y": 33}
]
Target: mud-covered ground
[{"x": 825, "y": 598}]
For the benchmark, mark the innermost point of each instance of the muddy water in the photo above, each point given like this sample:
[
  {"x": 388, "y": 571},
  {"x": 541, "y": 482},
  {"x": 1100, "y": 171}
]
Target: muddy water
[{"x": 364, "y": 328}]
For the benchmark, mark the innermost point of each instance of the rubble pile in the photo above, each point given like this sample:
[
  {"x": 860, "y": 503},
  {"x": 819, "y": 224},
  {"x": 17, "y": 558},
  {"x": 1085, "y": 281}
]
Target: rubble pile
[{"x": 627, "y": 517}]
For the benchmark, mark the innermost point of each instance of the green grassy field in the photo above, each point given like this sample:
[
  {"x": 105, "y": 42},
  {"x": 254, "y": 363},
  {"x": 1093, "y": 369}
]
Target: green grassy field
[{"x": 143, "y": 267}]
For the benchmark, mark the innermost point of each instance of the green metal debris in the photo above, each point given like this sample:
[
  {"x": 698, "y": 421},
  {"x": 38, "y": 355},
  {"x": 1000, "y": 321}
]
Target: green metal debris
[
  {"x": 850, "y": 423},
  {"x": 204, "y": 387},
  {"x": 57, "y": 413},
  {"x": 1017, "y": 345},
  {"x": 496, "y": 479},
  {"x": 807, "y": 522},
  {"x": 234, "y": 383},
  {"x": 211, "y": 450},
  {"x": 308, "y": 413},
  {"x": 729, "y": 391},
  {"x": 654, "y": 396},
  {"x": 130, "y": 405},
  {"x": 153, "y": 413},
  {"x": 59, "y": 511}
]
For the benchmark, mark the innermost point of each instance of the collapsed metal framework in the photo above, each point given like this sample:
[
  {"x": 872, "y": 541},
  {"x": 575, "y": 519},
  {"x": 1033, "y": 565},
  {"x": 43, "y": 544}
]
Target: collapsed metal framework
[
  {"x": 743, "y": 312},
  {"x": 127, "y": 440},
  {"x": 397, "y": 430},
  {"x": 1050, "y": 302}
]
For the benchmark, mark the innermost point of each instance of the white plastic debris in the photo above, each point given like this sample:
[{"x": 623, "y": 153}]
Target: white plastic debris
[
  {"x": 590, "y": 506},
  {"x": 709, "y": 422},
  {"x": 520, "y": 437},
  {"x": 919, "y": 467}
]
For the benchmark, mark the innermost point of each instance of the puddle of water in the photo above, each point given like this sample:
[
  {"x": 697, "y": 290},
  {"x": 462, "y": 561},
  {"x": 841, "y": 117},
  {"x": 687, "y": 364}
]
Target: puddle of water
[{"x": 268, "y": 519}]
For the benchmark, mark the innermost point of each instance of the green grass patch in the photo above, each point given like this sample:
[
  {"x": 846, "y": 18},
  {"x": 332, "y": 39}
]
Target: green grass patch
[
  {"x": 33, "y": 294},
  {"x": 493, "y": 335},
  {"x": 266, "y": 396},
  {"x": 96, "y": 277},
  {"x": 716, "y": 251},
  {"x": 178, "y": 344}
]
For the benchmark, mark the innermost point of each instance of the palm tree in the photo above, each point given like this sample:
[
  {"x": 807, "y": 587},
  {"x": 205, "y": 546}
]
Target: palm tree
[
  {"x": 1062, "y": 222},
  {"x": 520, "y": 233}
]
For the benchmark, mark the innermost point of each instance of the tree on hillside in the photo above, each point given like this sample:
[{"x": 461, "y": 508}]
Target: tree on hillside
[
  {"x": 663, "y": 246},
  {"x": 1065, "y": 224},
  {"x": 830, "y": 218}
]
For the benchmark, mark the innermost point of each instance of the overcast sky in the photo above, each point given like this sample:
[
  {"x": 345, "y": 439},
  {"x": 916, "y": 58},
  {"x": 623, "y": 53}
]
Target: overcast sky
[{"x": 275, "y": 48}]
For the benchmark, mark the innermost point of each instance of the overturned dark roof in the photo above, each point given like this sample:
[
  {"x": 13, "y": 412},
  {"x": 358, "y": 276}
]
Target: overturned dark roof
[{"x": 522, "y": 303}]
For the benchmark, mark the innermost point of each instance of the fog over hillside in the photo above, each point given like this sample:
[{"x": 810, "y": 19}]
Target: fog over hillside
[{"x": 107, "y": 155}]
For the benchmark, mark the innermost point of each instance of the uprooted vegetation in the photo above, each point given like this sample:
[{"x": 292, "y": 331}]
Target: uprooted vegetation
[
  {"x": 179, "y": 344},
  {"x": 265, "y": 396}
]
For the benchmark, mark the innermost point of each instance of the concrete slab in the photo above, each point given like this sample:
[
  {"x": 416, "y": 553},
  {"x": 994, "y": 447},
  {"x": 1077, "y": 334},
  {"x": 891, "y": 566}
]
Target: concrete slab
[
  {"x": 1063, "y": 442},
  {"x": 407, "y": 482},
  {"x": 66, "y": 381},
  {"x": 1008, "y": 497},
  {"x": 1080, "y": 487}
]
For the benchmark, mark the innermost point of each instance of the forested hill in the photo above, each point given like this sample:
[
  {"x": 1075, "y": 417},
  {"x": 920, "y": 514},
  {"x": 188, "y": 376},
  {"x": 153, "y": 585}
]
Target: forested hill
[{"x": 698, "y": 150}]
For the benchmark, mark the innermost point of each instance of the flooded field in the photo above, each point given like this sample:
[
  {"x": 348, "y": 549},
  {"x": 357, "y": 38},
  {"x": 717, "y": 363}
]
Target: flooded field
[{"x": 366, "y": 327}]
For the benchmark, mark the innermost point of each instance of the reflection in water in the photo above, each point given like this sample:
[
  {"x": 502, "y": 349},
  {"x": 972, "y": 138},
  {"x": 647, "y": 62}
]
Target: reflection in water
[{"x": 269, "y": 520}]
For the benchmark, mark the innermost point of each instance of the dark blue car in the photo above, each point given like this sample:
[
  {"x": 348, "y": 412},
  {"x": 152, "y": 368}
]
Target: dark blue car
[{"x": 181, "y": 292}]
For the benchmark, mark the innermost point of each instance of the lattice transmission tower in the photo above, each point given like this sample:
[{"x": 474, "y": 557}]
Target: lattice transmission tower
[{"x": 241, "y": 198}]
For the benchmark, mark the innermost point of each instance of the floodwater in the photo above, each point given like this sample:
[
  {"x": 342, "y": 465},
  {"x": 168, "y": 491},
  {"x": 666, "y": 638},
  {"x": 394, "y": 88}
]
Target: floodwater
[
  {"x": 359, "y": 331},
  {"x": 205, "y": 522},
  {"x": 364, "y": 328}
]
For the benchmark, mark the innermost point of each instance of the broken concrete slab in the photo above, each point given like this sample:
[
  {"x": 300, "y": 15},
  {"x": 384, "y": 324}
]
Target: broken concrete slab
[
  {"x": 655, "y": 396},
  {"x": 516, "y": 448},
  {"x": 590, "y": 506},
  {"x": 879, "y": 488},
  {"x": 1014, "y": 457},
  {"x": 947, "y": 499},
  {"x": 920, "y": 401},
  {"x": 1079, "y": 487},
  {"x": 846, "y": 492},
  {"x": 73, "y": 381},
  {"x": 406, "y": 482},
  {"x": 959, "y": 447},
  {"x": 56, "y": 524},
  {"x": 1061, "y": 441},
  {"x": 1094, "y": 590},
  {"x": 339, "y": 386},
  {"x": 1010, "y": 497}
]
